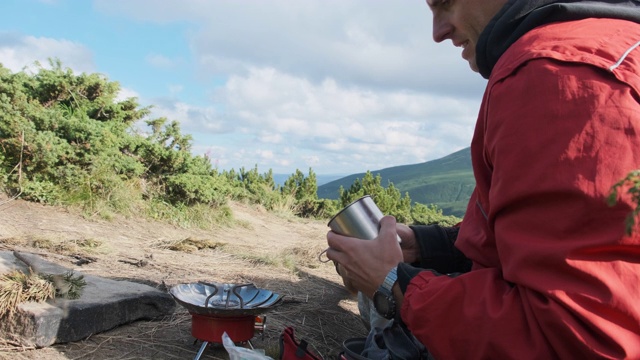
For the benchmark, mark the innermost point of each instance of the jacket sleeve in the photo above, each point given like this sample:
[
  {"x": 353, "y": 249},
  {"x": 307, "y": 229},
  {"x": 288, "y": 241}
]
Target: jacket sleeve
[
  {"x": 437, "y": 250},
  {"x": 553, "y": 274}
]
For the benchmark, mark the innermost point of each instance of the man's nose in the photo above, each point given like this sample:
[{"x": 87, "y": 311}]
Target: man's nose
[{"x": 442, "y": 28}]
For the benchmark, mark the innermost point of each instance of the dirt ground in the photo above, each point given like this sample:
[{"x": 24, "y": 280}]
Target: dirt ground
[{"x": 274, "y": 252}]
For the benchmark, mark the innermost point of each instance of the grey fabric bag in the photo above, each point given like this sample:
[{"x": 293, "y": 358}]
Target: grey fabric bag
[{"x": 393, "y": 342}]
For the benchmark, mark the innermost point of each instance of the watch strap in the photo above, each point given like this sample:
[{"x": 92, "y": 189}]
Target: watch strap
[{"x": 390, "y": 279}]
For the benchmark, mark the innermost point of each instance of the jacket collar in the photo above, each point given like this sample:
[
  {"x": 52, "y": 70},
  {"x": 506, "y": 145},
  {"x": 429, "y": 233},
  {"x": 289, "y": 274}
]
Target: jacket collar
[{"x": 517, "y": 17}]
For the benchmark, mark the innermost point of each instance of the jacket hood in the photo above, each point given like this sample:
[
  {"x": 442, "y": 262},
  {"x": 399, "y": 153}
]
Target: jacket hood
[{"x": 517, "y": 17}]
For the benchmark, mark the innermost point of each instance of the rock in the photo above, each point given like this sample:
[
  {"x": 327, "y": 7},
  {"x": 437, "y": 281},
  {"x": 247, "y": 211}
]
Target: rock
[{"x": 104, "y": 304}]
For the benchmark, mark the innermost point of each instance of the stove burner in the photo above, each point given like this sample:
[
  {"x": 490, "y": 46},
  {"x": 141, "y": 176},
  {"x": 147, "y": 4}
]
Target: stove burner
[
  {"x": 219, "y": 308},
  {"x": 228, "y": 303},
  {"x": 224, "y": 299}
]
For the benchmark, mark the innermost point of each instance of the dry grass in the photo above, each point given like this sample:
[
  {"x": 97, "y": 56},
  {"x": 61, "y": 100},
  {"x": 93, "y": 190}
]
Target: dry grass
[
  {"x": 83, "y": 246},
  {"x": 190, "y": 245},
  {"x": 273, "y": 252},
  {"x": 307, "y": 255},
  {"x": 17, "y": 287}
]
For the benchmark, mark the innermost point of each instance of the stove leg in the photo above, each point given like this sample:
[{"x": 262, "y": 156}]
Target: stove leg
[{"x": 202, "y": 348}]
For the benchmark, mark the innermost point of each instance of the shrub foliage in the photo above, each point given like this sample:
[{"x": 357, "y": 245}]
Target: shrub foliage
[{"x": 68, "y": 139}]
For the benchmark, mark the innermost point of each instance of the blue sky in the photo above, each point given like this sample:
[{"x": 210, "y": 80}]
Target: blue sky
[{"x": 339, "y": 86}]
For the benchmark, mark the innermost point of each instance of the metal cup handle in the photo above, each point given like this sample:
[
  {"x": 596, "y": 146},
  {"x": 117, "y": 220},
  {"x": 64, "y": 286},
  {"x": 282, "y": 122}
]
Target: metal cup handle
[{"x": 320, "y": 256}]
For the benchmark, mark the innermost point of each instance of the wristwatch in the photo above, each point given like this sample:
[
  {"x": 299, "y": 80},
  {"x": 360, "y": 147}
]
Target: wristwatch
[{"x": 383, "y": 299}]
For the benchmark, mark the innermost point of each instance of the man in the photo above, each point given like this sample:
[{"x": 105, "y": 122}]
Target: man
[{"x": 553, "y": 274}]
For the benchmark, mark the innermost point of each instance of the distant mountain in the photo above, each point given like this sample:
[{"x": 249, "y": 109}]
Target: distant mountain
[
  {"x": 446, "y": 182},
  {"x": 279, "y": 179}
]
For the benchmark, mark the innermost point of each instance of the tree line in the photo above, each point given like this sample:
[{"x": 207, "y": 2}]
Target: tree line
[{"x": 67, "y": 140}]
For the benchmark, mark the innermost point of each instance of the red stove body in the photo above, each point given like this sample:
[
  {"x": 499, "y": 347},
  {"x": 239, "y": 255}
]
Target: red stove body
[{"x": 210, "y": 328}]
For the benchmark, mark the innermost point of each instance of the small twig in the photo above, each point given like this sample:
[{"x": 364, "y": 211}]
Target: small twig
[
  {"x": 322, "y": 332},
  {"x": 24, "y": 260},
  {"x": 96, "y": 348},
  {"x": 138, "y": 263},
  {"x": 295, "y": 299},
  {"x": 11, "y": 198}
]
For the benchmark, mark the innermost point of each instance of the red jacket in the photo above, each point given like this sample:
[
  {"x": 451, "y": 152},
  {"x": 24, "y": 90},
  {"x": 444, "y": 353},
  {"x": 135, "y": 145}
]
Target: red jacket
[{"x": 553, "y": 274}]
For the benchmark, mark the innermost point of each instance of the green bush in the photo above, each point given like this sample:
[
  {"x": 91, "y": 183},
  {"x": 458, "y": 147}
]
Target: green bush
[
  {"x": 629, "y": 185},
  {"x": 67, "y": 140},
  {"x": 429, "y": 215},
  {"x": 391, "y": 202}
]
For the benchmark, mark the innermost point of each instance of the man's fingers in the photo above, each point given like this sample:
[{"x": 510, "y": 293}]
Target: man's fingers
[
  {"x": 333, "y": 255},
  {"x": 388, "y": 228},
  {"x": 341, "y": 242}
]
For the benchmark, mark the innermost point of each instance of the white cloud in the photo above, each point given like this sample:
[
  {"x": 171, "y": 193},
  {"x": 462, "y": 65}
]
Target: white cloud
[
  {"x": 193, "y": 119},
  {"x": 126, "y": 93},
  {"x": 18, "y": 51},
  {"x": 265, "y": 154},
  {"x": 162, "y": 62},
  {"x": 376, "y": 44},
  {"x": 268, "y": 113},
  {"x": 175, "y": 89}
]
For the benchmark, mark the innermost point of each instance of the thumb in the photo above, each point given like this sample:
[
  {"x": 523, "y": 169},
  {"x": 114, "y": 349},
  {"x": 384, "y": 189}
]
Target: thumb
[{"x": 388, "y": 228}]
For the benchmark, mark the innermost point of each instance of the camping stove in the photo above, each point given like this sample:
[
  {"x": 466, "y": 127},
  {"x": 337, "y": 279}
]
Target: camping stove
[{"x": 219, "y": 308}]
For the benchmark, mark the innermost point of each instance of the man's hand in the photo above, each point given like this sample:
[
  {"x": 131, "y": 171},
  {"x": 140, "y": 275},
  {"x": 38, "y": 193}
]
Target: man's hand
[
  {"x": 409, "y": 246},
  {"x": 365, "y": 263},
  {"x": 345, "y": 279}
]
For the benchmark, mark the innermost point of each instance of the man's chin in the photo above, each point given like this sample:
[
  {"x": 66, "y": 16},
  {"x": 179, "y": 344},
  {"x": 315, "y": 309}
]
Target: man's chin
[{"x": 473, "y": 65}]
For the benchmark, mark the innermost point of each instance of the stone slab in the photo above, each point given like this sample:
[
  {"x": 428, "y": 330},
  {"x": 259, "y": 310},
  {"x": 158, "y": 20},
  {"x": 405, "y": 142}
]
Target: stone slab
[{"x": 104, "y": 304}]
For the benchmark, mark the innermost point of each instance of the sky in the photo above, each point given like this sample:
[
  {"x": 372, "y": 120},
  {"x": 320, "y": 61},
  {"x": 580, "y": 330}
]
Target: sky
[{"x": 336, "y": 86}]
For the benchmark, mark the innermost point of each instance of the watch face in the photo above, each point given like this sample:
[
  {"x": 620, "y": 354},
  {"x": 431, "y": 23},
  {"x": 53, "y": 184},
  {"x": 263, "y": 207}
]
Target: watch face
[{"x": 385, "y": 304}]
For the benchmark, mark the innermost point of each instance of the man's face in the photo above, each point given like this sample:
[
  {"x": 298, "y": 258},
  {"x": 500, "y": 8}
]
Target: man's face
[{"x": 462, "y": 21}]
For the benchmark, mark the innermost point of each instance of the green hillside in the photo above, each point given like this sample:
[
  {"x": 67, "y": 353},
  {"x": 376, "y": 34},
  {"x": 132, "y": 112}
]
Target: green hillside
[{"x": 446, "y": 182}]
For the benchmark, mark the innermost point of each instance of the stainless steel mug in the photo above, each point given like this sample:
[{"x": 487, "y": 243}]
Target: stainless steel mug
[{"x": 360, "y": 219}]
